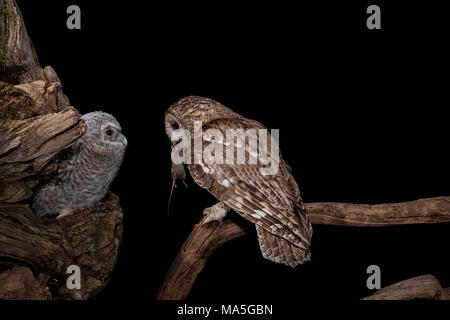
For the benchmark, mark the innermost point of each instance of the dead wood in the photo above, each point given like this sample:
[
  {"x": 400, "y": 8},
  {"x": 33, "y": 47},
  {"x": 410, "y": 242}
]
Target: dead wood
[
  {"x": 36, "y": 123},
  {"x": 191, "y": 259},
  {"x": 422, "y": 287},
  {"x": 28, "y": 145},
  {"x": 19, "y": 283},
  {"x": 18, "y": 60},
  {"x": 89, "y": 239},
  {"x": 204, "y": 239},
  {"x": 430, "y": 210}
]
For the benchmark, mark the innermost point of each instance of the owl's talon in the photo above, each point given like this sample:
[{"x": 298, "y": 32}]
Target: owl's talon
[
  {"x": 215, "y": 213},
  {"x": 65, "y": 212}
]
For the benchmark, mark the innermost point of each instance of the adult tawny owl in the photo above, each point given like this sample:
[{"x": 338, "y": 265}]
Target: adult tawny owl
[
  {"x": 271, "y": 201},
  {"x": 85, "y": 170}
]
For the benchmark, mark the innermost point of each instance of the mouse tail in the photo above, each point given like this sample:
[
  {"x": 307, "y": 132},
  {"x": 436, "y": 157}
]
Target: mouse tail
[{"x": 170, "y": 197}]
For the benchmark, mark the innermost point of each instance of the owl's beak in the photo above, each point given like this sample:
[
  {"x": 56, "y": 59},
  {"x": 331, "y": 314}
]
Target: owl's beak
[{"x": 124, "y": 141}]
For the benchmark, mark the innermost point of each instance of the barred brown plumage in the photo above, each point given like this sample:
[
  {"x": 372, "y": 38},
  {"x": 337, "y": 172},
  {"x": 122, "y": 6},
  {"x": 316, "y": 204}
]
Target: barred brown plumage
[{"x": 271, "y": 202}]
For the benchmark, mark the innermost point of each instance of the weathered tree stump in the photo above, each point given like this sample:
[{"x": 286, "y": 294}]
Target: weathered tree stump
[
  {"x": 36, "y": 123},
  {"x": 89, "y": 239}
]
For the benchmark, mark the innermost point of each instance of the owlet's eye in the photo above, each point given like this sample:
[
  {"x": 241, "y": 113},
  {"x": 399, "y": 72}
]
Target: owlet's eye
[
  {"x": 175, "y": 126},
  {"x": 109, "y": 132}
]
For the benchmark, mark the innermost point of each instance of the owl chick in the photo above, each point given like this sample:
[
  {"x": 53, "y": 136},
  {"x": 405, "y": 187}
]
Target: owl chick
[{"x": 85, "y": 170}]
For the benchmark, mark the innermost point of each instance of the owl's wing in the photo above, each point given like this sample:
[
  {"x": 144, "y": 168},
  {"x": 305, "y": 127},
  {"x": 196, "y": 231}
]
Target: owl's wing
[{"x": 271, "y": 202}]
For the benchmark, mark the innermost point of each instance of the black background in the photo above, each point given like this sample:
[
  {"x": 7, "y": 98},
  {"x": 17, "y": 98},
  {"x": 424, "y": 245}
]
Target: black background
[{"x": 361, "y": 113}]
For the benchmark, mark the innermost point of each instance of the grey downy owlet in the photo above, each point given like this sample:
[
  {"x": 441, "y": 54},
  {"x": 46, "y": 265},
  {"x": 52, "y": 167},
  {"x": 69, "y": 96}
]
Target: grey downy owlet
[{"x": 85, "y": 170}]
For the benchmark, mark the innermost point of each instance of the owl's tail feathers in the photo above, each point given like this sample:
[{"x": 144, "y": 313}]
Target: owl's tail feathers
[{"x": 279, "y": 250}]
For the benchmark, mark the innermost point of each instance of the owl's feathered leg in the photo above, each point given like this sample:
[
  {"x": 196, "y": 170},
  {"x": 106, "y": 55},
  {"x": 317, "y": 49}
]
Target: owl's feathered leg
[
  {"x": 216, "y": 212},
  {"x": 65, "y": 212}
]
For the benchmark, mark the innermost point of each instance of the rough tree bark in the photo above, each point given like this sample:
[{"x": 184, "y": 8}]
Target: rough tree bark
[
  {"x": 205, "y": 238},
  {"x": 36, "y": 123},
  {"x": 422, "y": 287},
  {"x": 18, "y": 60},
  {"x": 89, "y": 239}
]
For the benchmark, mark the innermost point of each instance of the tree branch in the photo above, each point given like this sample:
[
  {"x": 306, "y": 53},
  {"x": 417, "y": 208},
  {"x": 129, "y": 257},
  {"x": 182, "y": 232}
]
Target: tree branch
[
  {"x": 191, "y": 259},
  {"x": 205, "y": 238},
  {"x": 430, "y": 210},
  {"x": 28, "y": 145},
  {"x": 422, "y": 287}
]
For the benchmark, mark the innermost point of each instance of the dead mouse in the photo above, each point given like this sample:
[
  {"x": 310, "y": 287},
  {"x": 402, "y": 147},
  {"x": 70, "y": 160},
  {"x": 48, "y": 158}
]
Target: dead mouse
[{"x": 178, "y": 174}]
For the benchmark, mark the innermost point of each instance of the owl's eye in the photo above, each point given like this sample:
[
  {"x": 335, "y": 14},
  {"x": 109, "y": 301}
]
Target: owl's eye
[
  {"x": 175, "y": 126},
  {"x": 109, "y": 132}
]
